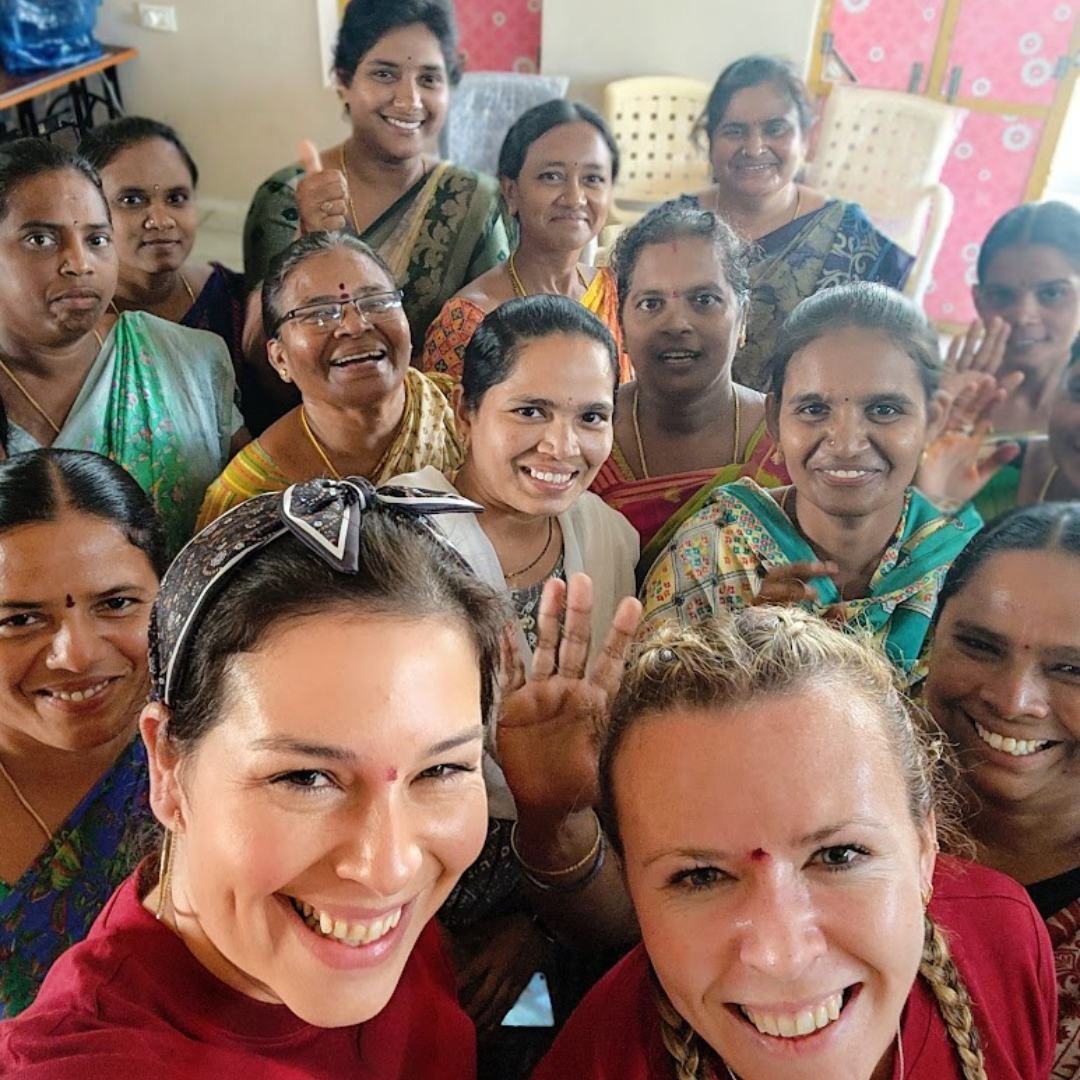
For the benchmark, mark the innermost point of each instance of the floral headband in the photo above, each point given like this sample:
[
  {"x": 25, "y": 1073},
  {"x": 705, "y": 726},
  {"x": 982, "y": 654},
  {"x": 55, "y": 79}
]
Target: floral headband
[{"x": 325, "y": 515}]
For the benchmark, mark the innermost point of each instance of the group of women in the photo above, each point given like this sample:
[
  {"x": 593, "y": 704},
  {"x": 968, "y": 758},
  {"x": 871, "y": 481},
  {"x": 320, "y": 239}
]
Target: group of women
[{"x": 474, "y": 452}]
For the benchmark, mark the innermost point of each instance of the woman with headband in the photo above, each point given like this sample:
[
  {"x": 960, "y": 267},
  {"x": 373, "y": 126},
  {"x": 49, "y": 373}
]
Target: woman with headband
[{"x": 317, "y": 810}]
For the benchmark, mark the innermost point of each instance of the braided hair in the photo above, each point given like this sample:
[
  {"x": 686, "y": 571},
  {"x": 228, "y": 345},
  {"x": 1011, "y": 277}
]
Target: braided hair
[{"x": 768, "y": 650}]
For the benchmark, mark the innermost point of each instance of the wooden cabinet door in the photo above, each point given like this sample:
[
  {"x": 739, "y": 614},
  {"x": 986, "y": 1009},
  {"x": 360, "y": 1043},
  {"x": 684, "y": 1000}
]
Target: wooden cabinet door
[
  {"x": 1008, "y": 51},
  {"x": 888, "y": 46}
]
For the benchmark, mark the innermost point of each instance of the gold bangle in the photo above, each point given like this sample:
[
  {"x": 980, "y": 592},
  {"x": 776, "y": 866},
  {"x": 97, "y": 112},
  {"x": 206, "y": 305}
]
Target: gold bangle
[{"x": 580, "y": 865}]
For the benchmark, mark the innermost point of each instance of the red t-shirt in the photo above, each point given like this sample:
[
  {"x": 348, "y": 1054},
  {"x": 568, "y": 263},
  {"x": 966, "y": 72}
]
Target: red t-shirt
[
  {"x": 999, "y": 944},
  {"x": 131, "y": 1000}
]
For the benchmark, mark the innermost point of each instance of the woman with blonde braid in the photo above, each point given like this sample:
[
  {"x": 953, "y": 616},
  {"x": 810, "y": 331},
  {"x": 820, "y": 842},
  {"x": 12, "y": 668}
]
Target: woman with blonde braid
[{"x": 797, "y": 920}]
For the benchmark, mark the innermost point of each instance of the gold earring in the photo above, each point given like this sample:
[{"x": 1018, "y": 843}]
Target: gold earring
[
  {"x": 165, "y": 867},
  {"x": 778, "y": 455},
  {"x": 927, "y": 895},
  {"x": 742, "y": 337}
]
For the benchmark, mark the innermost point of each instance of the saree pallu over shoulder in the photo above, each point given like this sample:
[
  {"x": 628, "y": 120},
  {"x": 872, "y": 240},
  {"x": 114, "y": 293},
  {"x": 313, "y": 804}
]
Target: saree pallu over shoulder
[
  {"x": 718, "y": 557},
  {"x": 656, "y": 507},
  {"x": 160, "y": 400},
  {"x": 831, "y": 246},
  {"x": 452, "y": 330},
  {"x": 53, "y": 905},
  {"x": 427, "y": 436},
  {"x": 442, "y": 233}
]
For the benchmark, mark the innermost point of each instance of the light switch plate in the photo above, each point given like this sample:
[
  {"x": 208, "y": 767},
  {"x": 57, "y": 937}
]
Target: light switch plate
[{"x": 158, "y": 17}]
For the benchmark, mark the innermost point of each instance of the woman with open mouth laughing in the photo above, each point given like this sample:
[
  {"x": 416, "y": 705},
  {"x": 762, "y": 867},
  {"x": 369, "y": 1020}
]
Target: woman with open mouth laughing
[
  {"x": 773, "y": 804},
  {"x": 1004, "y": 686},
  {"x": 80, "y": 555},
  {"x": 437, "y": 226},
  {"x": 338, "y": 333},
  {"x": 322, "y": 668},
  {"x": 854, "y": 400}
]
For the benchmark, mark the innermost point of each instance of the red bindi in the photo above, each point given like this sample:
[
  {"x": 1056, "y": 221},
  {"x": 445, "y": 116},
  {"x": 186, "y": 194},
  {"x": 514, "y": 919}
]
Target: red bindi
[
  {"x": 391, "y": 775},
  {"x": 69, "y": 601},
  {"x": 759, "y": 855}
]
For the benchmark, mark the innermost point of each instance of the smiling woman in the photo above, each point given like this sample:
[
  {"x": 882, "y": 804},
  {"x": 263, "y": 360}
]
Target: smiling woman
[
  {"x": 757, "y": 121},
  {"x": 150, "y": 180},
  {"x": 80, "y": 555},
  {"x": 338, "y": 333},
  {"x": 436, "y": 226},
  {"x": 557, "y": 169},
  {"x": 854, "y": 399},
  {"x": 1004, "y": 685},
  {"x": 796, "y": 919},
  {"x": 315, "y": 820}
]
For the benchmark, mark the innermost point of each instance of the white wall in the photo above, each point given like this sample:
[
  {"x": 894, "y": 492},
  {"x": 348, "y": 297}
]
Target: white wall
[
  {"x": 243, "y": 82},
  {"x": 595, "y": 41}
]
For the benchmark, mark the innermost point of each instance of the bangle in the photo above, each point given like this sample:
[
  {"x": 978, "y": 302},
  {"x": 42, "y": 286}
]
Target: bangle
[
  {"x": 566, "y": 888},
  {"x": 578, "y": 866}
]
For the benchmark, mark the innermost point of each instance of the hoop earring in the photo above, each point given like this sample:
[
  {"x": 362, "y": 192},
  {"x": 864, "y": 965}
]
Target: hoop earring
[{"x": 165, "y": 868}]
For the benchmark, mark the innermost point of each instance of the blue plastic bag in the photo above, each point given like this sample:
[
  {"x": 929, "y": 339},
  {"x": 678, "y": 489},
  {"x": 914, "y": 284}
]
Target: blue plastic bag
[{"x": 39, "y": 35}]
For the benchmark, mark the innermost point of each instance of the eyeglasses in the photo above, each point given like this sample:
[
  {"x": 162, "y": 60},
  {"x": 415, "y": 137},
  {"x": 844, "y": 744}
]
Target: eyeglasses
[{"x": 328, "y": 314}]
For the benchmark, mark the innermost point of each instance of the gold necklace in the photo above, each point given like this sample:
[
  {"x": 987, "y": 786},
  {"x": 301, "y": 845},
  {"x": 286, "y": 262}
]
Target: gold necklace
[
  {"x": 317, "y": 445},
  {"x": 30, "y": 398},
  {"x": 25, "y": 802},
  {"x": 183, "y": 281},
  {"x": 547, "y": 544},
  {"x": 519, "y": 289},
  {"x": 641, "y": 446},
  {"x": 1046, "y": 485}
]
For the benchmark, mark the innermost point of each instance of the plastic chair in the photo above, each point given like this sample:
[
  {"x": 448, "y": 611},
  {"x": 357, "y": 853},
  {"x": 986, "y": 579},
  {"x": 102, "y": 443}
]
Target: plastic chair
[
  {"x": 652, "y": 119},
  {"x": 482, "y": 108},
  {"x": 885, "y": 150}
]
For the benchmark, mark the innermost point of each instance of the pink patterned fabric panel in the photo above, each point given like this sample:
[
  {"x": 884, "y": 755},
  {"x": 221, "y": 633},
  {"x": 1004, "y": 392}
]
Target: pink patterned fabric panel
[
  {"x": 500, "y": 35},
  {"x": 880, "y": 42},
  {"x": 1008, "y": 50},
  {"x": 987, "y": 173}
]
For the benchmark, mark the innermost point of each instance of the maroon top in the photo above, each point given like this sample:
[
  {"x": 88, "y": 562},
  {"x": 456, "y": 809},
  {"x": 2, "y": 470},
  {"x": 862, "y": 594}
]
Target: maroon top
[
  {"x": 998, "y": 942},
  {"x": 131, "y": 1000}
]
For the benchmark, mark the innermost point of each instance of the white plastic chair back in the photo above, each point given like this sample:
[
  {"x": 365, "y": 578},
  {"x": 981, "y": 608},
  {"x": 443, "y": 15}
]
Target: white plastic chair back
[
  {"x": 885, "y": 150},
  {"x": 484, "y": 105},
  {"x": 652, "y": 118}
]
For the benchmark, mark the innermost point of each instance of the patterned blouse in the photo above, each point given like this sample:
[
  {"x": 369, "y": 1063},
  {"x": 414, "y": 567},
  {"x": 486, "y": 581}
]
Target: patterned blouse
[{"x": 54, "y": 903}]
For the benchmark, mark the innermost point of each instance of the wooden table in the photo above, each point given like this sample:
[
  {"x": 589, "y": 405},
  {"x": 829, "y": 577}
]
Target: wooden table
[{"x": 24, "y": 92}]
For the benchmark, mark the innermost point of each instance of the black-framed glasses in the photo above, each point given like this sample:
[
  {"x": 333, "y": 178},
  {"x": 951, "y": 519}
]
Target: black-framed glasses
[{"x": 327, "y": 315}]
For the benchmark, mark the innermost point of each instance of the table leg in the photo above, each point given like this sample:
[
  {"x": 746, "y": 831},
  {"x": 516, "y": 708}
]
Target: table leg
[
  {"x": 27, "y": 118},
  {"x": 110, "y": 80},
  {"x": 79, "y": 106}
]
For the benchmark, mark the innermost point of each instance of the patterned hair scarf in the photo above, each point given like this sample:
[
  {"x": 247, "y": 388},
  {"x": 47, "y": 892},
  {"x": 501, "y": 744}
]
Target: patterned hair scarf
[{"x": 325, "y": 515}]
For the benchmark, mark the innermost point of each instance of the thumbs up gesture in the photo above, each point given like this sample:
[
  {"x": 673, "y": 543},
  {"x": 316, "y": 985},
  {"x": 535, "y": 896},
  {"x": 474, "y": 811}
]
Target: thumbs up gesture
[{"x": 322, "y": 194}]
